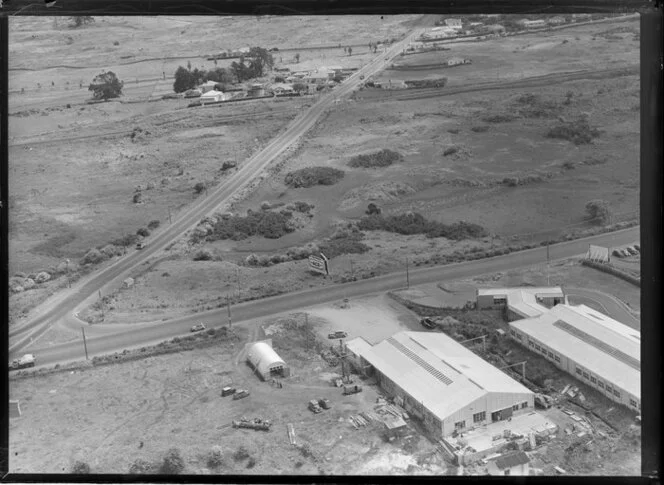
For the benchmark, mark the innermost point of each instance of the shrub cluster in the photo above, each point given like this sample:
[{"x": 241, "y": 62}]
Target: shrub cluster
[
  {"x": 310, "y": 176},
  {"x": 579, "y": 132},
  {"x": 143, "y": 232},
  {"x": 450, "y": 151},
  {"x": 80, "y": 468},
  {"x": 427, "y": 83},
  {"x": 413, "y": 223},
  {"x": 532, "y": 106},
  {"x": 382, "y": 158},
  {"x": 480, "y": 129},
  {"x": 153, "y": 225},
  {"x": 173, "y": 463},
  {"x": 271, "y": 225},
  {"x": 301, "y": 206},
  {"x": 344, "y": 244},
  {"x": 241, "y": 454},
  {"x": 499, "y": 118}
]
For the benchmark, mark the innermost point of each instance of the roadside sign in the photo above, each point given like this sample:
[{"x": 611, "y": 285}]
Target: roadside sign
[{"x": 319, "y": 264}]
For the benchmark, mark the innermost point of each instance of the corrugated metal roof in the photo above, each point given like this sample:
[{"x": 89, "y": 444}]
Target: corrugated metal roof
[
  {"x": 581, "y": 345},
  {"x": 436, "y": 371},
  {"x": 262, "y": 357},
  {"x": 524, "y": 300}
]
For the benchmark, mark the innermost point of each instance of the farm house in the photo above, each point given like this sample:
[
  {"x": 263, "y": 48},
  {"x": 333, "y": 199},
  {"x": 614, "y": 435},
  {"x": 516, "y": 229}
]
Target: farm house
[
  {"x": 524, "y": 302},
  {"x": 594, "y": 348},
  {"x": 213, "y": 97},
  {"x": 265, "y": 361},
  {"x": 448, "y": 387}
]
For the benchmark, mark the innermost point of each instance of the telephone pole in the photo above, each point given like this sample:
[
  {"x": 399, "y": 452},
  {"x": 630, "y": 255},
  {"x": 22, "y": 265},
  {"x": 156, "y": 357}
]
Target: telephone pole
[
  {"x": 85, "y": 345},
  {"x": 407, "y": 275},
  {"x": 228, "y": 305},
  {"x": 239, "y": 289}
]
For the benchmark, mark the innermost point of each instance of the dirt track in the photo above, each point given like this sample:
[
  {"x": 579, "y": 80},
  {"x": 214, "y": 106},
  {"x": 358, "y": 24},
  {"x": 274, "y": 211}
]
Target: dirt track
[{"x": 533, "y": 82}]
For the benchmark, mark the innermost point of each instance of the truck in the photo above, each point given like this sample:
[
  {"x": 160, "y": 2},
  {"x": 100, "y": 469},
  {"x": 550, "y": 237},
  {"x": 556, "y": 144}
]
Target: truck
[
  {"x": 352, "y": 390},
  {"x": 256, "y": 424},
  {"x": 28, "y": 360},
  {"x": 240, "y": 394},
  {"x": 314, "y": 407}
]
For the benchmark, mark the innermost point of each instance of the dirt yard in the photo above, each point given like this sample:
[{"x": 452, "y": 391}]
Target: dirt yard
[{"x": 114, "y": 416}]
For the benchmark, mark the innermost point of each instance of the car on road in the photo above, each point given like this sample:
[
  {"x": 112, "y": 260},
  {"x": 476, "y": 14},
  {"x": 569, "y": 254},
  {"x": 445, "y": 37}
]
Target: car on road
[
  {"x": 242, "y": 393},
  {"x": 427, "y": 322},
  {"x": 337, "y": 334},
  {"x": 199, "y": 327},
  {"x": 361, "y": 76},
  {"x": 140, "y": 245},
  {"x": 28, "y": 360}
]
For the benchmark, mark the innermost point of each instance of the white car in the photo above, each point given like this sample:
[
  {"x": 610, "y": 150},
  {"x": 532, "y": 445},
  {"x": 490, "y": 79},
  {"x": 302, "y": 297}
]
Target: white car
[{"x": 199, "y": 327}]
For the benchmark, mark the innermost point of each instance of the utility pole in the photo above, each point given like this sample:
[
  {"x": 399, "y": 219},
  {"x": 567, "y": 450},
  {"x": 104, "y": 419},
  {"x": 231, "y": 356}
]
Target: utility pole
[
  {"x": 228, "y": 305},
  {"x": 169, "y": 215},
  {"x": 523, "y": 368},
  {"x": 85, "y": 344},
  {"x": 351, "y": 266},
  {"x": 239, "y": 289},
  {"x": 407, "y": 275}
]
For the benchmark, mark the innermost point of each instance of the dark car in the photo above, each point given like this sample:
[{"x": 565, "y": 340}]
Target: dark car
[
  {"x": 338, "y": 334},
  {"x": 617, "y": 253},
  {"x": 140, "y": 245},
  {"x": 227, "y": 391},
  {"x": 324, "y": 403},
  {"x": 361, "y": 76},
  {"x": 427, "y": 322},
  {"x": 240, "y": 394}
]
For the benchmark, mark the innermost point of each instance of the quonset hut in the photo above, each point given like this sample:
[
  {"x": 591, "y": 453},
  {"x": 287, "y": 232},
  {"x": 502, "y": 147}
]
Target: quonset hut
[{"x": 265, "y": 361}]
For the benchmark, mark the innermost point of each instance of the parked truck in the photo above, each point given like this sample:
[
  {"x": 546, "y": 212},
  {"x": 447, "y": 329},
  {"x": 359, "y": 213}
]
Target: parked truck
[
  {"x": 28, "y": 360},
  {"x": 257, "y": 424},
  {"x": 352, "y": 390}
]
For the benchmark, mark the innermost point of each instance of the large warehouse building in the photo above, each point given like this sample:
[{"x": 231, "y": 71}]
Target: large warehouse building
[
  {"x": 440, "y": 381},
  {"x": 524, "y": 302},
  {"x": 265, "y": 361},
  {"x": 603, "y": 353}
]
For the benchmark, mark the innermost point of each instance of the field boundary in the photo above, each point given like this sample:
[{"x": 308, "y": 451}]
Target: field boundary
[{"x": 612, "y": 271}]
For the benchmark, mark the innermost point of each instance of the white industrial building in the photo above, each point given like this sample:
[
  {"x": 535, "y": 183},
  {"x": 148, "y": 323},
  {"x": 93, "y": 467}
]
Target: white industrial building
[
  {"x": 213, "y": 96},
  {"x": 600, "y": 351},
  {"x": 520, "y": 302},
  {"x": 265, "y": 361},
  {"x": 440, "y": 381}
]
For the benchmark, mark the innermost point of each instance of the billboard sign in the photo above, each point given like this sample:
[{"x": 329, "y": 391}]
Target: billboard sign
[
  {"x": 599, "y": 254},
  {"x": 319, "y": 264}
]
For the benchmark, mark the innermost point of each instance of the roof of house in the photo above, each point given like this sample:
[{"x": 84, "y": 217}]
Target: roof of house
[
  {"x": 604, "y": 346},
  {"x": 511, "y": 459},
  {"x": 523, "y": 300},
  {"x": 262, "y": 357},
  {"x": 209, "y": 83},
  {"x": 436, "y": 370},
  {"x": 212, "y": 93}
]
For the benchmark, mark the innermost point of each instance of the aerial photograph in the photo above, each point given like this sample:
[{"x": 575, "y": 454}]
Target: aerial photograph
[{"x": 325, "y": 245}]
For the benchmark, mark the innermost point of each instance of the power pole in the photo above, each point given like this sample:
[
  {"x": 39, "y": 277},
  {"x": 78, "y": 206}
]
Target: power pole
[
  {"x": 228, "y": 305},
  {"x": 169, "y": 216},
  {"x": 407, "y": 275},
  {"x": 239, "y": 290},
  {"x": 351, "y": 266},
  {"x": 85, "y": 344}
]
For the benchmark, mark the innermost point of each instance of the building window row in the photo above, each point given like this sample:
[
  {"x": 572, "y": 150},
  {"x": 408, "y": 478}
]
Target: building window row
[
  {"x": 515, "y": 407},
  {"x": 524, "y": 404},
  {"x": 633, "y": 403},
  {"x": 460, "y": 425},
  {"x": 479, "y": 417}
]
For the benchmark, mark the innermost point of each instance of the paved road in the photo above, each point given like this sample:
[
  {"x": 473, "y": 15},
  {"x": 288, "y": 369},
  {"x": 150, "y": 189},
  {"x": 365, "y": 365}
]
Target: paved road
[
  {"x": 268, "y": 307},
  {"x": 188, "y": 219},
  {"x": 607, "y": 304}
]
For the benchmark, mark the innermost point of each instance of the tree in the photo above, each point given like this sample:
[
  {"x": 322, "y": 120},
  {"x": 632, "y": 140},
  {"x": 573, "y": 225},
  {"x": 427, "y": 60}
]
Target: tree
[
  {"x": 80, "y": 468},
  {"x": 184, "y": 80},
  {"x": 372, "y": 209},
  {"x": 263, "y": 58},
  {"x": 299, "y": 87},
  {"x": 297, "y": 57},
  {"x": 219, "y": 75},
  {"x": 106, "y": 86},
  {"x": 173, "y": 462},
  {"x": 598, "y": 211},
  {"x": 80, "y": 20}
]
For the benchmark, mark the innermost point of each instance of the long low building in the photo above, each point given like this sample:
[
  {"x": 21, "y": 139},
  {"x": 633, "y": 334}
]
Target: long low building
[
  {"x": 600, "y": 351},
  {"x": 440, "y": 381},
  {"x": 520, "y": 302}
]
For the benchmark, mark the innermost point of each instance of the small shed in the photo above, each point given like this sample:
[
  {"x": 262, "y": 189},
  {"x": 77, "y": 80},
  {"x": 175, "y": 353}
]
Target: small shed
[
  {"x": 395, "y": 427},
  {"x": 265, "y": 361},
  {"x": 512, "y": 463}
]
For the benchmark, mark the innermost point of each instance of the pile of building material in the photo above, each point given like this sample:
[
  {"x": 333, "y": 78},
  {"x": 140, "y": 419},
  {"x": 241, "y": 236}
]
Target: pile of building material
[
  {"x": 329, "y": 357},
  {"x": 358, "y": 421},
  {"x": 291, "y": 434}
]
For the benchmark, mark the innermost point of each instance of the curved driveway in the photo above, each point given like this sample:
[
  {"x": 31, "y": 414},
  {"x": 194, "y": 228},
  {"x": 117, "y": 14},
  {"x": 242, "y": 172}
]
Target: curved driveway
[
  {"x": 608, "y": 304},
  {"x": 144, "y": 334}
]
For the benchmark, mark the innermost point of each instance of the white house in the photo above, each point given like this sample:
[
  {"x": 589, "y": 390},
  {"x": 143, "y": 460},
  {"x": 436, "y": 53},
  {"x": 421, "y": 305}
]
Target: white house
[
  {"x": 556, "y": 20},
  {"x": 512, "y": 463},
  {"x": 533, "y": 24},
  {"x": 453, "y": 23},
  {"x": 207, "y": 86},
  {"x": 213, "y": 96}
]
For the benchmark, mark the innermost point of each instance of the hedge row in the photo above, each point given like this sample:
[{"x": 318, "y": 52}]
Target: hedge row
[{"x": 612, "y": 271}]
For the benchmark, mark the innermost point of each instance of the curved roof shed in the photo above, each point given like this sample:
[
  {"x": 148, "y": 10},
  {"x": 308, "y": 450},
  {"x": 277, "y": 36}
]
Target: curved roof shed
[{"x": 264, "y": 359}]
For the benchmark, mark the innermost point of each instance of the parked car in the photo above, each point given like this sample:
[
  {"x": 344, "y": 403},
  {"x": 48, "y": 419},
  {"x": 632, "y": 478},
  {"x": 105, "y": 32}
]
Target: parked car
[
  {"x": 361, "y": 76},
  {"x": 428, "y": 322},
  {"x": 637, "y": 247},
  {"x": 199, "y": 327},
  {"x": 242, "y": 393},
  {"x": 140, "y": 245},
  {"x": 324, "y": 403},
  {"x": 631, "y": 250},
  {"x": 625, "y": 253},
  {"x": 227, "y": 391},
  {"x": 314, "y": 407},
  {"x": 617, "y": 253},
  {"x": 337, "y": 334}
]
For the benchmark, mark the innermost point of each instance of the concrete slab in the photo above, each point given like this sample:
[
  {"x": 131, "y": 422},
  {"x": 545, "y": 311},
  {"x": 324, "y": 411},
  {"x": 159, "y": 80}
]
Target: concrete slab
[{"x": 481, "y": 438}]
